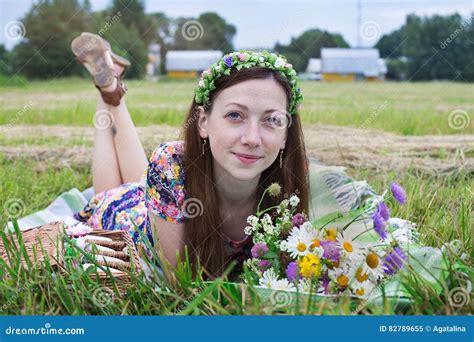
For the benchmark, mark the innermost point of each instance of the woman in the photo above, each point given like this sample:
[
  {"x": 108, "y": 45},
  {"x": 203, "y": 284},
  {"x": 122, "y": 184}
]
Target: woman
[{"x": 242, "y": 133}]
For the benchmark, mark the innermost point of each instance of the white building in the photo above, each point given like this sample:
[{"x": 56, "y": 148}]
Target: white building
[
  {"x": 351, "y": 64},
  {"x": 189, "y": 63}
]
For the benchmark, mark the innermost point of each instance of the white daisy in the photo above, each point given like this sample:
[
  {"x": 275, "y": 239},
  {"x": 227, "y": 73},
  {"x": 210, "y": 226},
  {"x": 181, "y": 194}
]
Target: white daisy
[
  {"x": 373, "y": 265},
  {"x": 363, "y": 289},
  {"x": 268, "y": 277},
  {"x": 282, "y": 284},
  {"x": 350, "y": 250},
  {"x": 342, "y": 276},
  {"x": 298, "y": 242}
]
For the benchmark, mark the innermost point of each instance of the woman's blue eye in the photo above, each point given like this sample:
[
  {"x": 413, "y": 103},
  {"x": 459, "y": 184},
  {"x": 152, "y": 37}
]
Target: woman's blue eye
[
  {"x": 275, "y": 121},
  {"x": 234, "y": 115}
]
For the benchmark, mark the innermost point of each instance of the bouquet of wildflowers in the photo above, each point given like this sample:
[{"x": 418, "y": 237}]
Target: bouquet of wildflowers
[{"x": 291, "y": 253}]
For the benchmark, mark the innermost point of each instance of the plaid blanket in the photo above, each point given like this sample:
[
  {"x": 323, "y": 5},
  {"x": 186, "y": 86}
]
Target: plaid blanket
[{"x": 333, "y": 193}]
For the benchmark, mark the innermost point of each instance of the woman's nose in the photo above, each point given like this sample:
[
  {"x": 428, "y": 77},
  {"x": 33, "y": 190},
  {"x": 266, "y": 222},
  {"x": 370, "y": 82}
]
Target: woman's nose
[{"x": 251, "y": 134}]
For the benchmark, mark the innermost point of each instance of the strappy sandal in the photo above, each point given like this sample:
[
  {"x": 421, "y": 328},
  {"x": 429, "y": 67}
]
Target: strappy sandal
[
  {"x": 95, "y": 54},
  {"x": 113, "y": 97},
  {"x": 123, "y": 62}
]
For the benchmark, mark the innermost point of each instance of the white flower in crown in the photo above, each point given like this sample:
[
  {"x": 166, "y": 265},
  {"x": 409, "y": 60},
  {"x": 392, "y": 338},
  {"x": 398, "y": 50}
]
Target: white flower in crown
[
  {"x": 279, "y": 62},
  {"x": 201, "y": 83}
]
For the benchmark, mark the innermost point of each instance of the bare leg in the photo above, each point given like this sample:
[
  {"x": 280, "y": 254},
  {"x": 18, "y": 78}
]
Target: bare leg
[
  {"x": 130, "y": 153},
  {"x": 105, "y": 167}
]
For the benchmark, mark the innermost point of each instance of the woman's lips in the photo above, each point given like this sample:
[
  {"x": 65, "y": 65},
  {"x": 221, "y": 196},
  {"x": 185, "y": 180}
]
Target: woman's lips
[{"x": 246, "y": 158}]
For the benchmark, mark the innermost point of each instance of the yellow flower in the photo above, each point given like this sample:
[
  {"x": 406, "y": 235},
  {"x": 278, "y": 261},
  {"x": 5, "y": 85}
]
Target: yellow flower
[
  {"x": 331, "y": 234},
  {"x": 361, "y": 276},
  {"x": 310, "y": 266}
]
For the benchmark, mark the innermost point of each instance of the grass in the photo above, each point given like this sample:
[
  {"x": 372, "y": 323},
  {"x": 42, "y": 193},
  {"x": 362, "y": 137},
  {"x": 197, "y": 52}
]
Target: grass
[
  {"x": 441, "y": 205},
  {"x": 404, "y": 108}
]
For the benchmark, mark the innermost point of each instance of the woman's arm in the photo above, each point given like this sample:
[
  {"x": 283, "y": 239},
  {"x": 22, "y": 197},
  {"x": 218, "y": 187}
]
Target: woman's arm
[{"x": 168, "y": 238}]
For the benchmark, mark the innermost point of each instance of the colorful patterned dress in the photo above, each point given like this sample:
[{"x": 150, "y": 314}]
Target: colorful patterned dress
[{"x": 161, "y": 191}]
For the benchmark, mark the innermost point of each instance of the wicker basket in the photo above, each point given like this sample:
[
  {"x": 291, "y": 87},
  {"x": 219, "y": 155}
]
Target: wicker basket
[
  {"x": 50, "y": 236},
  {"x": 122, "y": 279},
  {"x": 47, "y": 236}
]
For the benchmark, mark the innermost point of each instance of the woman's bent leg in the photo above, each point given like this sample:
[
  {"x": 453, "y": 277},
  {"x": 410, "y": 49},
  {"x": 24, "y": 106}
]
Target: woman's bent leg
[
  {"x": 105, "y": 167},
  {"x": 130, "y": 153}
]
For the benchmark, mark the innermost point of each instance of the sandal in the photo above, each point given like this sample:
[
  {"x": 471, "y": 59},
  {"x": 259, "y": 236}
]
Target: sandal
[
  {"x": 123, "y": 62},
  {"x": 96, "y": 55},
  {"x": 113, "y": 97},
  {"x": 93, "y": 53}
]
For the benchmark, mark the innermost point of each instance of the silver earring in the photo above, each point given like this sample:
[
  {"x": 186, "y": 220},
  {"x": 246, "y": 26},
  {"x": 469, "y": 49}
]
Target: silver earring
[
  {"x": 203, "y": 145},
  {"x": 281, "y": 156}
]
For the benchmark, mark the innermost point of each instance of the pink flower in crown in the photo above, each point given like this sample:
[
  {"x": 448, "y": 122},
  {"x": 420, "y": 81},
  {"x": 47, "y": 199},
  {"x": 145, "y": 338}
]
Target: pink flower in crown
[
  {"x": 288, "y": 65},
  {"x": 243, "y": 57}
]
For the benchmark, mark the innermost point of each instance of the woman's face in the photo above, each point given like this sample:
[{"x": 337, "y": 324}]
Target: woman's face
[{"x": 247, "y": 127}]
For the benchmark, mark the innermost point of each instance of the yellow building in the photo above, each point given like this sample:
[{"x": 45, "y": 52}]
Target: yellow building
[
  {"x": 352, "y": 64},
  {"x": 189, "y": 63}
]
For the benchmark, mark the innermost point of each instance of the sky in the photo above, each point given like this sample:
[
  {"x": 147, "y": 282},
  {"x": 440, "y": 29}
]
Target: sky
[{"x": 262, "y": 23}]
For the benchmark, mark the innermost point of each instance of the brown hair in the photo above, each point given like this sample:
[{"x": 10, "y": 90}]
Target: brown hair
[{"x": 205, "y": 244}]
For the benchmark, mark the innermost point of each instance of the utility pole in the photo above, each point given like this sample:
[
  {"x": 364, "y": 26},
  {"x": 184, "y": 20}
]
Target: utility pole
[{"x": 359, "y": 10}]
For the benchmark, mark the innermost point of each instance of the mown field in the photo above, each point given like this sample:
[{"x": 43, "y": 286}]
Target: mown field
[{"x": 440, "y": 202}]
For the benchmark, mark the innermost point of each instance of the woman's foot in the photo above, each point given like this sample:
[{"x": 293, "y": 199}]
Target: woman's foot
[{"x": 105, "y": 67}]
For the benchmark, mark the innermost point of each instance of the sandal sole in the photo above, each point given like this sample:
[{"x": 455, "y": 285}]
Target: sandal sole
[{"x": 88, "y": 48}]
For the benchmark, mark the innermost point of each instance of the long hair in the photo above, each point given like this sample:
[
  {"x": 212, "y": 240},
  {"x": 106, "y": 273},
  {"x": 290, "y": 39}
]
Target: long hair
[{"x": 205, "y": 244}]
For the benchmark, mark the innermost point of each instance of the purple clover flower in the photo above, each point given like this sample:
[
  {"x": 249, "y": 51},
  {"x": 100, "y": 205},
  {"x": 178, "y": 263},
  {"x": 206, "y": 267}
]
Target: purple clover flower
[
  {"x": 394, "y": 261},
  {"x": 298, "y": 219},
  {"x": 383, "y": 210},
  {"x": 292, "y": 271},
  {"x": 326, "y": 280},
  {"x": 398, "y": 193},
  {"x": 259, "y": 250},
  {"x": 379, "y": 225},
  {"x": 264, "y": 265},
  {"x": 331, "y": 252},
  {"x": 228, "y": 61}
]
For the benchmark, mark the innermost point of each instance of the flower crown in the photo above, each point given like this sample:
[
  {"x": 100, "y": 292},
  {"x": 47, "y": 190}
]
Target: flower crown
[{"x": 248, "y": 59}]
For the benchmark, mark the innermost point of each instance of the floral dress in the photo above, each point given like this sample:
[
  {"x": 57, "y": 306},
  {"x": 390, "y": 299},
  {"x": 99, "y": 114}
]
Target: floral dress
[{"x": 160, "y": 190}]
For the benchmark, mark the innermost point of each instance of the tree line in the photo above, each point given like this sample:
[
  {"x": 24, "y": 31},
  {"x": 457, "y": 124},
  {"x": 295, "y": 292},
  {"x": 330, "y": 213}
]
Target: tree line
[{"x": 424, "y": 48}]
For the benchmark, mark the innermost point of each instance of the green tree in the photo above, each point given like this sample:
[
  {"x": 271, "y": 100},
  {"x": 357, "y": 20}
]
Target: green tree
[
  {"x": 208, "y": 32},
  {"x": 45, "y": 50},
  {"x": 308, "y": 45},
  {"x": 436, "y": 47}
]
